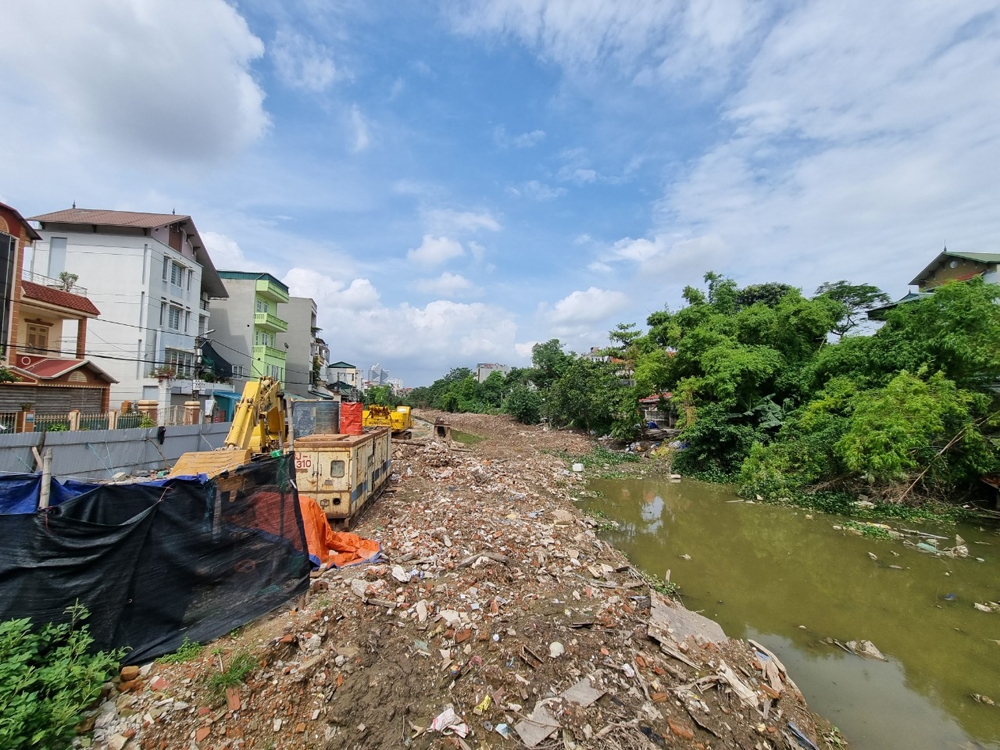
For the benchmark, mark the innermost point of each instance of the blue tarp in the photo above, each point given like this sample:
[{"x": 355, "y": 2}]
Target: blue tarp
[{"x": 19, "y": 492}]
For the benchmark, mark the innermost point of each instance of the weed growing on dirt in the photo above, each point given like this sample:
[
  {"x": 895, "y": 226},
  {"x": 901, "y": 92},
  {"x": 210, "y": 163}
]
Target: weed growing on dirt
[
  {"x": 47, "y": 679},
  {"x": 187, "y": 651},
  {"x": 240, "y": 667}
]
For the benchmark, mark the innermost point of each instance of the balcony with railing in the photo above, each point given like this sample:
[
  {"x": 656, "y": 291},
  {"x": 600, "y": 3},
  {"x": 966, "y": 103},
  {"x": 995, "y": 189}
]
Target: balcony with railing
[
  {"x": 263, "y": 352},
  {"x": 270, "y": 322},
  {"x": 65, "y": 284},
  {"x": 271, "y": 289}
]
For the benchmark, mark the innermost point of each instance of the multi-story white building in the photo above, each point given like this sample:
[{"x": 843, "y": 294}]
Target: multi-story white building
[
  {"x": 152, "y": 279},
  {"x": 485, "y": 369},
  {"x": 307, "y": 355}
]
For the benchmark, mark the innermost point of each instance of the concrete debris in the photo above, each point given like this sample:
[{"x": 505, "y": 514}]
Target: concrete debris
[{"x": 500, "y": 611}]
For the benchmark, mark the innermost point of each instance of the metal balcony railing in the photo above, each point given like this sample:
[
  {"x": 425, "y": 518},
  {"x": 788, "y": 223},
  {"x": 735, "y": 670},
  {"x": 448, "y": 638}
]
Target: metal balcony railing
[{"x": 48, "y": 281}]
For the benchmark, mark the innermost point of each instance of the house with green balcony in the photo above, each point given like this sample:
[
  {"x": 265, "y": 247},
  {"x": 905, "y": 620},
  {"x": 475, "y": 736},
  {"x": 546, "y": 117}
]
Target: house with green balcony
[{"x": 245, "y": 327}]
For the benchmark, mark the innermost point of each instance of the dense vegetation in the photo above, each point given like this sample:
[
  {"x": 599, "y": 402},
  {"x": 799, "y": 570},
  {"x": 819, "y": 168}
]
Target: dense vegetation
[
  {"x": 780, "y": 392},
  {"x": 48, "y": 677}
]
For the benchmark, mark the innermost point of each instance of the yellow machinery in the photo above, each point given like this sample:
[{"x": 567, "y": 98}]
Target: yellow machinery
[
  {"x": 258, "y": 428},
  {"x": 397, "y": 419}
]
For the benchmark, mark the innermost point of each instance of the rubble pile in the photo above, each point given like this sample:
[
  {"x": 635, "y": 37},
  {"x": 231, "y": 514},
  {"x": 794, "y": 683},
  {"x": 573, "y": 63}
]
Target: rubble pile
[{"x": 495, "y": 618}]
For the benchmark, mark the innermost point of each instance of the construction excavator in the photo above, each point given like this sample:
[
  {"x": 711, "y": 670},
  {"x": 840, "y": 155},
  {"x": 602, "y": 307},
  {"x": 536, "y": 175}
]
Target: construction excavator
[{"x": 258, "y": 429}]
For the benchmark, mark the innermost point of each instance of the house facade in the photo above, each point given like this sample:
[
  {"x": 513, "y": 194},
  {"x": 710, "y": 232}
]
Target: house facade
[
  {"x": 956, "y": 265},
  {"x": 246, "y": 326},
  {"x": 948, "y": 265},
  {"x": 343, "y": 378},
  {"x": 44, "y": 324},
  {"x": 153, "y": 280}
]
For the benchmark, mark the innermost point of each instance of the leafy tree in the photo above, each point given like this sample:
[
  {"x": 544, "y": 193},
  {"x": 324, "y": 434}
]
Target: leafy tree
[
  {"x": 857, "y": 299},
  {"x": 524, "y": 404},
  {"x": 492, "y": 389},
  {"x": 768, "y": 294},
  {"x": 550, "y": 362},
  {"x": 381, "y": 395}
]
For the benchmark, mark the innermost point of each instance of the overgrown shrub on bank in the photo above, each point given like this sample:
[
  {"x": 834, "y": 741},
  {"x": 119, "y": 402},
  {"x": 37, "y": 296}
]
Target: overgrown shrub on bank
[{"x": 48, "y": 677}]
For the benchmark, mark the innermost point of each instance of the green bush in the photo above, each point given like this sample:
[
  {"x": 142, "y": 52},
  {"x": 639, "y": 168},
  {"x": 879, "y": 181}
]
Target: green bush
[
  {"x": 524, "y": 404},
  {"x": 48, "y": 678}
]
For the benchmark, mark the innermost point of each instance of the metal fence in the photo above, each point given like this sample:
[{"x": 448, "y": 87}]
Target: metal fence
[
  {"x": 51, "y": 422},
  {"x": 8, "y": 421}
]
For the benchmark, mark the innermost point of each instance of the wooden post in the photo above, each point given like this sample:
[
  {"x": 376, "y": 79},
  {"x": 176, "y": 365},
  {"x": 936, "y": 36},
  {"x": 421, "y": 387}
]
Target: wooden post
[
  {"x": 74, "y": 420},
  {"x": 43, "y": 494}
]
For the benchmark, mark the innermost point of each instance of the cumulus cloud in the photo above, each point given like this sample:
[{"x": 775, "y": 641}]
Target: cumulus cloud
[
  {"x": 447, "y": 285},
  {"x": 435, "y": 250},
  {"x": 331, "y": 295},
  {"x": 360, "y": 129},
  {"x": 168, "y": 80},
  {"x": 226, "y": 254},
  {"x": 522, "y": 140},
  {"x": 582, "y": 309},
  {"x": 302, "y": 63},
  {"x": 446, "y": 220}
]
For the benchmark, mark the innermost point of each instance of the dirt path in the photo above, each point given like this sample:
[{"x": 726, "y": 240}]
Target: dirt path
[{"x": 495, "y": 598}]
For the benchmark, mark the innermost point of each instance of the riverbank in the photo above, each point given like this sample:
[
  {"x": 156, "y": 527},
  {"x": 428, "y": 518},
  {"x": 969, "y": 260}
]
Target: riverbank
[{"x": 496, "y": 598}]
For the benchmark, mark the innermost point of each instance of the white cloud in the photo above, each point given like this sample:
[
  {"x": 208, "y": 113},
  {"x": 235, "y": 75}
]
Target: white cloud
[
  {"x": 582, "y": 309},
  {"x": 302, "y": 63},
  {"x": 477, "y": 250},
  {"x": 434, "y": 250},
  {"x": 539, "y": 191},
  {"x": 523, "y": 140},
  {"x": 446, "y": 220},
  {"x": 227, "y": 255},
  {"x": 163, "y": 80},
  {"x": 447, "y": 285},
  {"x": 360, "y": 129},
  {"x": 850, "y": 157},
  {"x": 332, "y": 296},
  {"x": 655, "y": 39}
]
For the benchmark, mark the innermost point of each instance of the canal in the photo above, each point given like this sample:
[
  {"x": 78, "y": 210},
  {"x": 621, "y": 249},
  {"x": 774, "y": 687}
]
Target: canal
[{"x": 789, "y": 579}]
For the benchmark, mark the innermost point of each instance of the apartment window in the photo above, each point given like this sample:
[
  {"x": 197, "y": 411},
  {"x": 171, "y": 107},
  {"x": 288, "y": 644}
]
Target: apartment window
[
  {"x": 176, "y": 275},
  {"x": 173, "y": 318},
  {"x": 187, "y": 322},
  {"x": 163, "y": 313},
  {"x": 190, "y": 274},
  {"x": 38, "y": 338},
  {"x": 166, "y": 267},
  {"x": 182, "y": 363},
  {"x": 261, "y": 306}
]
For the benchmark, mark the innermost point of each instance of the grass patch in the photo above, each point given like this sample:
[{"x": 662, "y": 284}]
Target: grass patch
[
  {"x": 841, "y": 503},
  {"x": 187, "y": 651},
  {"x": 466, "y": 438},
  {"x": 242, "y": 664}
]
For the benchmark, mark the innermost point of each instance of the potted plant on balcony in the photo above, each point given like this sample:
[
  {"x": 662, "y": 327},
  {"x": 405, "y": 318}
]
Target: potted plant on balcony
[{"x": 163, "y": 372}]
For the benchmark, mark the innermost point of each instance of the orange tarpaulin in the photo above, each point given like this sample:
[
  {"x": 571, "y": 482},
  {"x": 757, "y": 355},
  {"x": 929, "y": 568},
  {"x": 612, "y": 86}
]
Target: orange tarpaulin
[{"x": 337, "y": 548}]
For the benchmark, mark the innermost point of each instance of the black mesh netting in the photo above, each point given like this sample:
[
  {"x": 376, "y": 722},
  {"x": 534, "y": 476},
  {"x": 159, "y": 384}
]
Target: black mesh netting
[{"x": 155, "y": 564}]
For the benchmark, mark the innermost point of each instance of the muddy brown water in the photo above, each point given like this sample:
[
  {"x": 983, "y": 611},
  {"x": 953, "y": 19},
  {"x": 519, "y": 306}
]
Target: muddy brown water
[{"x": 775, "y": 575}]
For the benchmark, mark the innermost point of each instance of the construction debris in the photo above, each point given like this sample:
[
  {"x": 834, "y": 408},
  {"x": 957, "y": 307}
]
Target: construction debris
[{"x": 498, "y": 617}]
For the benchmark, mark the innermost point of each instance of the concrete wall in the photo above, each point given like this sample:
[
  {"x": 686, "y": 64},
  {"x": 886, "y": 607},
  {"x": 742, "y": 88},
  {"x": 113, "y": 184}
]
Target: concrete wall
[
  {"x": 233, "y": 323},
  {"x": 300, "y": 314},
  {"x": 100, "y": 454}
]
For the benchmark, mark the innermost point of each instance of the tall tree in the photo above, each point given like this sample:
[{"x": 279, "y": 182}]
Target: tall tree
[{"x": 857, "y": 299}]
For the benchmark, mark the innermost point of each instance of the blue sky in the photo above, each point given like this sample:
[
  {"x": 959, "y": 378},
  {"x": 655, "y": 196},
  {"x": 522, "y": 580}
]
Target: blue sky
[{"x": 455, "y": 181}]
